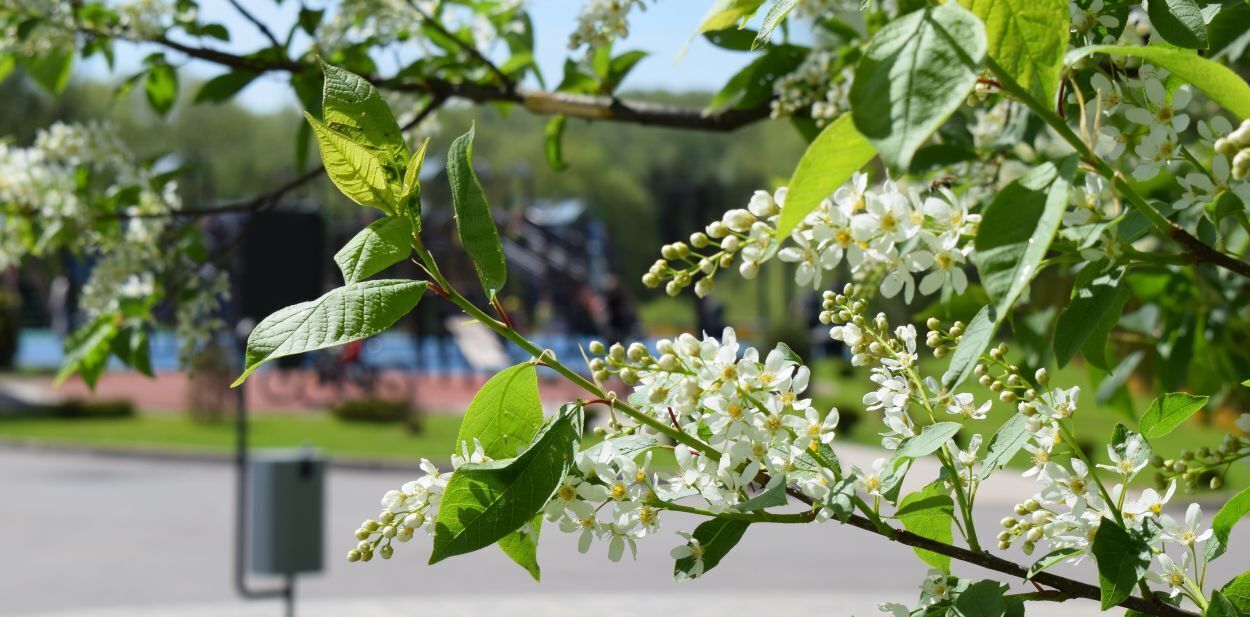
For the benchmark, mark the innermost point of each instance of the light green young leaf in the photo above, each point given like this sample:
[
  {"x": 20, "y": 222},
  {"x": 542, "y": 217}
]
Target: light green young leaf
[
  {"x": 87, "y": 350},
  {"x": 1007, "y": 441},
  {"x": 976, "y": 339},
  {"x": 772, "y": 19},
  {"x": 829, "y": 161},
  {"x": 473, "y": 218},
  {"x": 384, "y": 243},
  {"x": 505, "y": 414},
  {"x": 554, "y": 144},
  {"x": 929, "y": 440},
  {"x": 716, "y": 537},
  {"x": 1122, "y": 561},
  {"x": 1217, "y": 81},
  {"x": 1028, "y": 39},
  {"x": 1095, "y": 308},
  {"x": 728, "y": 13},
  {"x": 161, "y": 87},
  {"x": 343, "y": 315},
  {"x": 916, "y": 71},
  {"x": 1168, "y": 412},
  {"x": 1052, "y": 558},
  {"x": 1179, "y": 22},
  {"x": 929, "y": 513},
  {"x": 410, "y": 191},
  {"x": 1222, "y": 525},
  {"x": 353, "y": 168},
  {"x": 1016, "y": 231},
  {"x": 352, "y": 106},
  {"x": 485, "y": 502}
]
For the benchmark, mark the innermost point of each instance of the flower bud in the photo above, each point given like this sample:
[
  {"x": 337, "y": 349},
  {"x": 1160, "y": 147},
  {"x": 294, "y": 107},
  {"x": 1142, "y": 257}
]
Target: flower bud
[
  {"x": 386, "y": 551},
  {"x": 717, "y": 229},
  {"x": 669, "y": 252},
  {"x": 731, "y": 244},
  {"x": 650, "y": 280},
  {"x": 597, "y": 348},
  {"x": 672, "y": 289},
  {"x": 1008, "y": 522},
  {"x": 353, "y": 556},
  {"x": 1042, "y": 376},
  {"x": 933, "y": 323},
  {"x": 699, "y": 240},
  {"x": 703, "y": 287},
  {"x": 749, "y": 270},
  {"x": 636, "y": 352}
]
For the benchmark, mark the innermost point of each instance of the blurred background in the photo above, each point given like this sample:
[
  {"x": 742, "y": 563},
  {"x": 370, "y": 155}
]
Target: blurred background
[{"x": 119, "y": 501}]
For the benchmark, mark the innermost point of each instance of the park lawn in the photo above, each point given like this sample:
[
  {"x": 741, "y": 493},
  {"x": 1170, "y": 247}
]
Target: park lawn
[{"x": 389, "y": 441}]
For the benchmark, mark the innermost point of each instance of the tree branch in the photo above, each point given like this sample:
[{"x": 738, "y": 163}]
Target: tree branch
[
  {"x": 590, "y": 107},
  {"x": 462, "y": 44},
  {"x": 260, "y": 25},
  {"x": 1069, "y": 587}
]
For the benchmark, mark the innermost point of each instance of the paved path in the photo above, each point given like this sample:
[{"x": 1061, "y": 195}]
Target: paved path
[{"x": 104, "y": 537}]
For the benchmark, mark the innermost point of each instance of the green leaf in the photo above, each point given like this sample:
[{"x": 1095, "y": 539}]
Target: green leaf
[
  {"x": 384, "y": 243},
  {"x": 505, "y": 414},
  {"x": 930, "y": 439},
  {"x": 87, "y": 350},
  {"x": 1168, "y": 412},
  {"x": 772, "y": 19},
  {"x": 1220, "y": 606},
  {"x": 50, "y": 69},
  {"x": 929, "y": 513},
  {"x": 410, "y": 191},
  {"x": 1122, "y": 561},
  {"x": 1027, "y": 39},
  {"x": 343, "y": 315},
  {"x": 727, "y": 13},
  {"x": 716, "y": 538},
  {"x": 829, "y": 161},
  {"x": 353, "y": 107},
  {"x": 1095, "y": 308},
  {"x": 553, "y": 145},
  {"x": 161, "y": 87},
  {"x": 1051, "y": 559},
  {"x": 1007, "y": 441},
  {"x": 733, "y": 39},
  {"x": 223, "y": 87},
  {"x": 753, "y": 85},
  {"x": 1222, "y": 525},
  {"x": 353, "y": 168},
  {"x": 975, "y": 340},
  {"x": 522, "y": 547},
  {"x": 1016, "y": 231},
  {"x": 1217, "y": 81},
  {"x": 485, "y": 502},
  {"x": 132, "y": 347},
  {"x": 621, "y": 66},
  {"x": 774, "y": 495},
  {"x": 985, "y": 599},
  {"x": 628, "y": 446},
  {"x": 1179, "y": 22},
  {"x": 916, "y": 71},
  {"x": 1237, "y": 591},
  {"x": 473, "y": 218}
]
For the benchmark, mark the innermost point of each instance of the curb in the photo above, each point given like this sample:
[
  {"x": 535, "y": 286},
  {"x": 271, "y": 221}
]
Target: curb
[{"x": 166, "y": 455}]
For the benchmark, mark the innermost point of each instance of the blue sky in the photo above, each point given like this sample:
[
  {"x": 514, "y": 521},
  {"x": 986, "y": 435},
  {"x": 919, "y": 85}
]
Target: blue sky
[{"x": 663, "y": 29}]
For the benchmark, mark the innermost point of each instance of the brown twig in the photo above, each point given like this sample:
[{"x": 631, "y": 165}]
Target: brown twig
[
  {"x": 260, "y": 25},
  {"x": 464, "y": 45}
]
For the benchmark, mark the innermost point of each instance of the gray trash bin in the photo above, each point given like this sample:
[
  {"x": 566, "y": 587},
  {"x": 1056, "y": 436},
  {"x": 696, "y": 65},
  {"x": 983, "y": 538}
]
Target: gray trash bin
[{"x": 287, "y": 514}]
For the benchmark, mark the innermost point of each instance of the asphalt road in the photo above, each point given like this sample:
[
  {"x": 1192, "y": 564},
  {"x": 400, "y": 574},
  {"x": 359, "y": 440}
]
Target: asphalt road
[{"x": 88, "y": 536}]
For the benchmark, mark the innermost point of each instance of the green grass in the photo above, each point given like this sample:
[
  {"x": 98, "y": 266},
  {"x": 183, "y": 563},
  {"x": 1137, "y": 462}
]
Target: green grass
[{"x": 177, "y": 432}]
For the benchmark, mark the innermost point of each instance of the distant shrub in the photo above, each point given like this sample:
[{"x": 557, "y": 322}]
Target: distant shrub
[
  {"x": 372, "y": 410},
  {"x": 82, "y": 409}
]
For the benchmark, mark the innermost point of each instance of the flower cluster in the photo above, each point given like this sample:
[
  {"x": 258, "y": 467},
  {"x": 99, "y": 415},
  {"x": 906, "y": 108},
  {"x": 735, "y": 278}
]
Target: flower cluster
[
  {"x": 45, "y": 207},
  {"x": 889, "y": 232},
  {"x": 751, "y": 411},
  {"x": 601, "y": 22},
  {"x": 411, "y": 507},
  {"x": 809, "y": 91},
  {"x": 387, "y": 22}
]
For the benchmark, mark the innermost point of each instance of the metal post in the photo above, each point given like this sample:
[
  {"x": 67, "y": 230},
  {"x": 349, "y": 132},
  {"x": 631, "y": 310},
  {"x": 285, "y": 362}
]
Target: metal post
[{"x": 287, "y": 591}]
